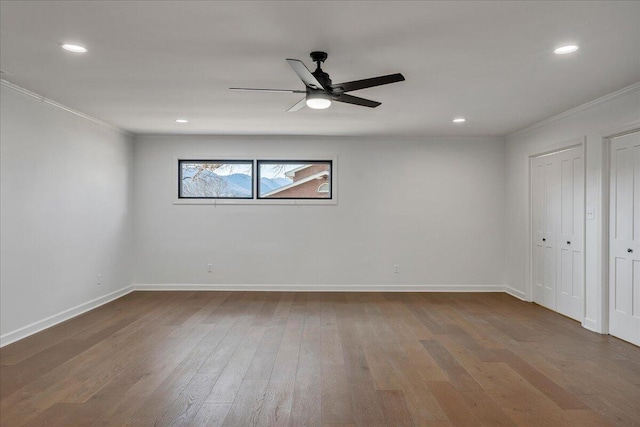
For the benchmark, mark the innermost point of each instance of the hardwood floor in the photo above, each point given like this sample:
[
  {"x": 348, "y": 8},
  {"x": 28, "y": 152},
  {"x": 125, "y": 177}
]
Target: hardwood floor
[{"x": 319, "y": 359}]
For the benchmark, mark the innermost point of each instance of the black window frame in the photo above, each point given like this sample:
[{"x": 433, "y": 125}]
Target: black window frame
[
  {"x": 234, "y": 161},
  {"x": 288, "y": 161}
]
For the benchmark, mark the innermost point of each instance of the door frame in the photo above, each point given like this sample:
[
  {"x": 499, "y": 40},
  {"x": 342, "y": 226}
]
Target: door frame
[
  {"x": 545, "y": 151},
  {"x": 606, "y": 137}
]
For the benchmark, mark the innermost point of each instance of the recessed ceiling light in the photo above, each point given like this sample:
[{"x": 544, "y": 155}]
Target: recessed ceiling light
[
  {"x": 459, "y": 120},
  {"x": 562, "y": 50},
  {"x": 182, "y": 121},
  {"x": 74, "y": 48}
]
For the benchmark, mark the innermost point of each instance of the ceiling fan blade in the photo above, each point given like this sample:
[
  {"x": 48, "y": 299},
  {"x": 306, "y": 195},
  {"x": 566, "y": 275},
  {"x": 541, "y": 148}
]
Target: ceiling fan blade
[
  {"x": 250, "y": 89},
  {"x": 349, "y": 99},
  {"x": 298, "y": 105},
  {"x": 305, "y": 75},
  {"x": 365, "y": 83}
]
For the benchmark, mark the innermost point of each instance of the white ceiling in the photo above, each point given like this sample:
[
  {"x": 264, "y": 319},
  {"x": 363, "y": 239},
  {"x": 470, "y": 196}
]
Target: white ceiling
[{"x": 151, "y": 62}]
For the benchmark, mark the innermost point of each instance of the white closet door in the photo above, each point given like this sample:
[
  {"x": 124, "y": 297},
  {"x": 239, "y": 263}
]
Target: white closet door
[
  {"x": 557, "y": 203},
  {"x": 551, "y": 226},
  {"x": 545, "y": 205},
  {"x": 570, "y": 234},
  {"x": 624, "y": 236},
  {"x": 538, "y": 209}
]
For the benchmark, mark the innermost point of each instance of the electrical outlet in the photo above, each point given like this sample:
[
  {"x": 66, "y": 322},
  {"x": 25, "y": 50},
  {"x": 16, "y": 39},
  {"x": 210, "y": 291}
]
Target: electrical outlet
[
  {"x": 396, "y": 269},
  {"x": 99, "y": 279},
  {"x": 209, "y": 268}
]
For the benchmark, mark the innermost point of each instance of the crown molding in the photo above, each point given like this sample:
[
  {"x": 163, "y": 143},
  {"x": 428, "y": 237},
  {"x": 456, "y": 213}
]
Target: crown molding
[
  {"x": 586, "y": 106},
  {"x": 53, "y": 103}
]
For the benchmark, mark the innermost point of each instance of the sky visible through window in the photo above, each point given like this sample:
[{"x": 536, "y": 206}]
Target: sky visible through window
[{"x": 276, "y": 170}]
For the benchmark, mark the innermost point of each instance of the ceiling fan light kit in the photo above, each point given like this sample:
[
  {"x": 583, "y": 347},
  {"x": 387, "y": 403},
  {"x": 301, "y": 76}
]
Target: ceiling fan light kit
[
  {"x": 319, "y": 90},
  {"x": 318, "y": 100}
]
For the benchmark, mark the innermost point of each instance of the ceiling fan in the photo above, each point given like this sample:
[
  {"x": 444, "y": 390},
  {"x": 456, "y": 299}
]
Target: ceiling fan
[{"x": 320, "y": 92}]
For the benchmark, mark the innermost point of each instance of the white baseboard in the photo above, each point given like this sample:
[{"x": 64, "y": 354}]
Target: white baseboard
[
  {"x": 25, "y": 331},
  {"x": 40, "y": 325},
  {"x": 319, "y": 288},
  {"x": 515, "y": 293}
]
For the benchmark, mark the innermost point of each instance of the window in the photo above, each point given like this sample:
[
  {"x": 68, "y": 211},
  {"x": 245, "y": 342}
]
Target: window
[
  {"x": 294, "y": 179},
  {"x": 202, "y": 181},
  {"x": 215, "y": 179}
]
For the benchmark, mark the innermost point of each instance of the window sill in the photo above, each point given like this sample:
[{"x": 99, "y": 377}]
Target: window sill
[{"x": 271, "y": 202}]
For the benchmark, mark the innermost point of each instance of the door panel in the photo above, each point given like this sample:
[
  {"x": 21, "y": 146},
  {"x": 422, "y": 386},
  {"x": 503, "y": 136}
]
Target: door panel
[
  {"x": 557, "y": 203},
  {"x": 570, "y": 276},
  {"x": 635, "y": 292},
  {"x": 624, "y": 238},
  {"x": 577, "y": 292},
  {"x": 537, "y": 195},
  {"x": 623, "y": 218},
  {"x": 551, "y": 226},
  {"x": 621, "y": 274},
  {"x": 577, "y": 285}
]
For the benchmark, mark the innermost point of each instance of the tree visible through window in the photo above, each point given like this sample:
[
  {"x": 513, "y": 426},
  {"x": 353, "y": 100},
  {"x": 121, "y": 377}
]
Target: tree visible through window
[{"x": 216, "y": 179}]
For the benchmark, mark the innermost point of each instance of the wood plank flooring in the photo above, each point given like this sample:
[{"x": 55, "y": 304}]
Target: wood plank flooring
[{"x": 319, "y": 359}]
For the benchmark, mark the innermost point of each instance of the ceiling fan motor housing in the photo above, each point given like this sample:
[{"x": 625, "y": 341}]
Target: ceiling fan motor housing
[{"x": 323, "y": 79}]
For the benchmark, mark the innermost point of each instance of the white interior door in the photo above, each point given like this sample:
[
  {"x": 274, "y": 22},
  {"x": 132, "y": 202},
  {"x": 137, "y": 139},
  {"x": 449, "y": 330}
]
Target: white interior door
[
  {"x": 570, "y": 278},
  {"x": 551, "y": 225},
  {"x": 557, "y": 203},
  {"x": 537, "y": 216},
  {"x": 624, "y": 238},
  {"x": 544, "y": 205}
]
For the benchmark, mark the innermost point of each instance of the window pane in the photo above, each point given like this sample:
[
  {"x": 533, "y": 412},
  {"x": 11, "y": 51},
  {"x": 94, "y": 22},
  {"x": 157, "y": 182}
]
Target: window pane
[
  {"x": 216, "y": 179},
  {"x": 294, "y": 179}
]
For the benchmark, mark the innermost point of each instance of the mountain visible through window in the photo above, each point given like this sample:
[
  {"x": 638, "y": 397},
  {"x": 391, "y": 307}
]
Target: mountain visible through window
[{"x": 212, "y": 179}]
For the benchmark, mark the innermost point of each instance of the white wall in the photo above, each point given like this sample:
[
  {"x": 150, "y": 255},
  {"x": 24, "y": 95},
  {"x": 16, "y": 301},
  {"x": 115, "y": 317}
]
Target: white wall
[
  {"x": 595, "y": 121},
  {"x": 433, "y": 206},
  {"x": 65, "y": 212},
  {"x": 438, "y": 207}
]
